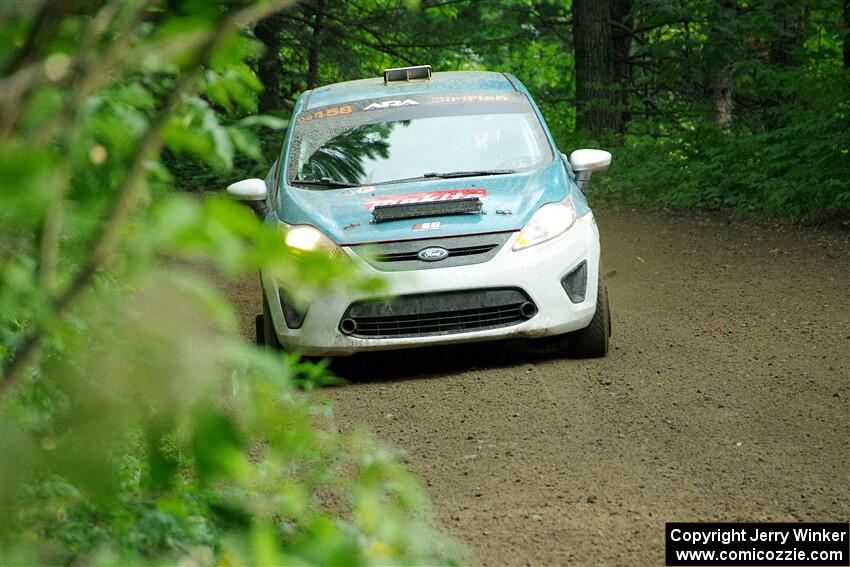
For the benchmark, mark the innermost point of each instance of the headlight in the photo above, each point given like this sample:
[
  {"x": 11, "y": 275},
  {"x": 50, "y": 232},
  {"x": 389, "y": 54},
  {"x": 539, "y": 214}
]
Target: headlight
[
  {"x": 548, "y": 222},
  {"x": 309, "y": 239},
  {"x": 304, "y": 238}
]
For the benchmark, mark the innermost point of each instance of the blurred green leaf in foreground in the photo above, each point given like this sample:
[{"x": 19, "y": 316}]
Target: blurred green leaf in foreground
[{"x": 137, "y": 426}]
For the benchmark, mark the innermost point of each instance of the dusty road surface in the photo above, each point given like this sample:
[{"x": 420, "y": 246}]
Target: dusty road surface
[{"x": 726, "y": 397}]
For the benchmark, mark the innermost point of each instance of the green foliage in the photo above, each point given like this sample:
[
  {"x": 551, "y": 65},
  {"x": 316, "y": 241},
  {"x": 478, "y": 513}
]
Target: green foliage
[
  {"x": 792, "y": 170},
  {"x": 143, "y": 429},
  {"x": 786, "y": 151}
]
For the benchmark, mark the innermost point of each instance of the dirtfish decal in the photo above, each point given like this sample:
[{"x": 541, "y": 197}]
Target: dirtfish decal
[
  {"x": 390, "y": 103},
  {"x": 428, "y": 197}
]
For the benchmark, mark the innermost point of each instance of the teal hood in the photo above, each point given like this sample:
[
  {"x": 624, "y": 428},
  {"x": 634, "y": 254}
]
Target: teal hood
[{"x": 345, "y": 215}]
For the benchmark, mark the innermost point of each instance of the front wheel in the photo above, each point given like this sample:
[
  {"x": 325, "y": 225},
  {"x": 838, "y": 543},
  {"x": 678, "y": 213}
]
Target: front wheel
[
  {"x": 264, "y": 328},
  {"x": 592, "y": 341}
]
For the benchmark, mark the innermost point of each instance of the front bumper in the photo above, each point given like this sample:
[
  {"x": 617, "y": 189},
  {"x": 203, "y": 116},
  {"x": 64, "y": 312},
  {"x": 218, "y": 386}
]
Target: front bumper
[{"x": 537, "y": 271}]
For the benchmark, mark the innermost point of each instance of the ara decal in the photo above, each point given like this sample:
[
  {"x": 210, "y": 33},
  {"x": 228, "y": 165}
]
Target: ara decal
[
  {"x": 390, "y": 104},
  {"x": 427, "y": 197}
]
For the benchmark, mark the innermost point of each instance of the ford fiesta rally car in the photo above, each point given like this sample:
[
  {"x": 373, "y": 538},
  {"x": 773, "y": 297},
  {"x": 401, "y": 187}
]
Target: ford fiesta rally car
[{"x": 450, "y": 187}]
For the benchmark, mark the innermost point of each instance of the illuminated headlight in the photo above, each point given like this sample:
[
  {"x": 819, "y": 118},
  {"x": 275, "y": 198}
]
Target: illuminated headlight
[
  {"x": 307, "y": 238},
  {"x": 548, "y": 222}
]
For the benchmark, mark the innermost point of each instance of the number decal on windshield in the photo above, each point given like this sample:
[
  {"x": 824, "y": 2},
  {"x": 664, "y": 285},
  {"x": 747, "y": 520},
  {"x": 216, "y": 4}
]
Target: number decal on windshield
[{"x": 322, "y": 114}]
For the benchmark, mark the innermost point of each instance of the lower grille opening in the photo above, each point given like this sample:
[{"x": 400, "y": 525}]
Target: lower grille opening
[{"x": 438, "y": 313}]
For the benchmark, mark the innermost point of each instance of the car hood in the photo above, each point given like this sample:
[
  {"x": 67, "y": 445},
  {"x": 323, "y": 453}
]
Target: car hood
[{"x": 345, "y": 215}]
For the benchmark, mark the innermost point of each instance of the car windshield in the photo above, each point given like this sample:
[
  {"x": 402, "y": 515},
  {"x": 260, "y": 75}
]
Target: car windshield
[{"x": 385, "y": 140}]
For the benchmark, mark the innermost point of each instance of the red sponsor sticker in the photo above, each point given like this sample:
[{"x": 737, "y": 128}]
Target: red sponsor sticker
[
  {"x": 428, "y": 197},
  {"x": 426, "y": 226}
]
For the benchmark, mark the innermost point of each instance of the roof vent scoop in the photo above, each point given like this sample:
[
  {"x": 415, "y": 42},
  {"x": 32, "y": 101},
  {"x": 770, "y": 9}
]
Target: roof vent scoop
[{"x": 407, "y": 74}]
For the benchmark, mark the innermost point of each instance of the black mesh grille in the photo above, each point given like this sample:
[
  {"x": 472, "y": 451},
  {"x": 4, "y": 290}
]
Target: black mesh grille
[{"x": 437, "y": 314}]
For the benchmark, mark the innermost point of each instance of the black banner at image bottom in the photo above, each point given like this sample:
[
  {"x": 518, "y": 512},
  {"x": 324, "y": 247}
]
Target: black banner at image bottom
[{"x": 757, "y": 544}]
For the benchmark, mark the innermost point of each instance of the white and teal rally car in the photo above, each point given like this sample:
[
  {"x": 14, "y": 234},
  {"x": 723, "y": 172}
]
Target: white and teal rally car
[{"x": 450, "y": 187}]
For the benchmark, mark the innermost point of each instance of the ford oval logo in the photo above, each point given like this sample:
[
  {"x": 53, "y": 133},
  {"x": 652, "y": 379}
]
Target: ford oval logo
[{"x": 433, "y": 254}]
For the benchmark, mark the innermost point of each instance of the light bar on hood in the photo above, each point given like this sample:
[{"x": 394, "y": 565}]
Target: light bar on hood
[{"x": 383, "y": 213}]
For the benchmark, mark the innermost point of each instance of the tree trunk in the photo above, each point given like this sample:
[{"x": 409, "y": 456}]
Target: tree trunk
[
  {"x": 622, "y": 28},
  {"x": 722, "y": 85},
  {"x": 847, "y": 34},
  {"x": 724, "y": 104},
  {"x": 596, "y": 85},
  {"x": 269, "y": 68},
  {"x": 791, "y": 21},
  {"x": 315, "y": 48}
]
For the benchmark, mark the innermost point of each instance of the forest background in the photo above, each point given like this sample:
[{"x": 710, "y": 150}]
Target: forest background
[{"x": 137, "y": 426}]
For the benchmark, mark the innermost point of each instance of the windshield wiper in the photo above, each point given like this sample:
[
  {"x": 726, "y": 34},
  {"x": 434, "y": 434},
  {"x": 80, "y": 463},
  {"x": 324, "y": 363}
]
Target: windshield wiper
[
  {"x": 473, "y": 173},
  {"x": 448, "y": 175},
  {"x": 322, "y": 182}
]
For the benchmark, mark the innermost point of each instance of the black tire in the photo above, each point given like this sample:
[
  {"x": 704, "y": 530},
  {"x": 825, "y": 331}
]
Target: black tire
[
  {"x": 264, "y": 328},
  {"x": 592, "y": 341},
  {"x": 259, "y": 334}
]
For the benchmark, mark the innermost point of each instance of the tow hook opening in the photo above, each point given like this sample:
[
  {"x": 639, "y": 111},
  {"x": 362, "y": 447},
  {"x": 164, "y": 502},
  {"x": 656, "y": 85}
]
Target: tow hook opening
[
  {"x": 348, "y": 326},
  {"x": 528, "y": 310}
]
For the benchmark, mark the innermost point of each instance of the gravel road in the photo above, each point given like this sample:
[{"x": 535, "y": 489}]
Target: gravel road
[{"x": 725, "y": 398}]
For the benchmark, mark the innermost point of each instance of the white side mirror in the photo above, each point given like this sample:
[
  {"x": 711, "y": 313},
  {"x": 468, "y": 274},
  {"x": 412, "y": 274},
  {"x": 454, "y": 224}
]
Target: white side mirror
[
  {"x": 248, "y": 190},
  {"x": 590, "y": 160}
]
